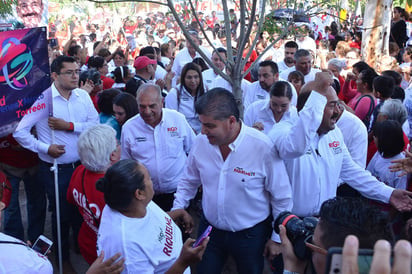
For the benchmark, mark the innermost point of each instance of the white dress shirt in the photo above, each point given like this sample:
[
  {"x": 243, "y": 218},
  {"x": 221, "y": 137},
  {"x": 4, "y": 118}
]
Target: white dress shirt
[
  {"x": 355, "y": 136},
  {"x": 78, "y": 109},
  {"x": 255, "y": 93},
  {"x": 308, "y": 77},
  {"x": 208, "y": 76},
  {"x": 182, "y": 58},
  {"x": 186, "y": 106},
  {"x": 237, "y": 192},
  {"x": 219, "y": 82},
  {"x": 260, "y": 112},
  {"x": 315, "y": 163},
  {"x": 162, "y": 150}
]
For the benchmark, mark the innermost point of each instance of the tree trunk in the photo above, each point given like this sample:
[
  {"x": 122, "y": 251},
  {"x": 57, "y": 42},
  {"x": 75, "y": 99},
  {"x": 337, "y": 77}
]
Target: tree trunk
[{"x": 377, "y": 27}]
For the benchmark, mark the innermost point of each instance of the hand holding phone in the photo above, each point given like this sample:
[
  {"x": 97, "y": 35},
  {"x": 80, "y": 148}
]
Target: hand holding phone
[
  {"x": 202, "y": 237},
  {"x": 42, "y": 245}
]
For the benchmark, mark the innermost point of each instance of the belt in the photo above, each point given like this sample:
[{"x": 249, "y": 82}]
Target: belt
[{"x": 68, "y": 165}]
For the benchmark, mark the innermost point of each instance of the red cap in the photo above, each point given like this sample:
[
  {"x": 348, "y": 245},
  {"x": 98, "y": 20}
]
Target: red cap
[{"x": 142, "y": 62}]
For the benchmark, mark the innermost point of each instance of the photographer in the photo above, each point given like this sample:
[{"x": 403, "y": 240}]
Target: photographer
[{"x": 339, "y": 217}]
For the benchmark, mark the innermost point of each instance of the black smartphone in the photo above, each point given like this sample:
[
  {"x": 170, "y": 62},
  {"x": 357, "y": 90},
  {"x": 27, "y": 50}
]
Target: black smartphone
[{"x": 53, "y": 42}]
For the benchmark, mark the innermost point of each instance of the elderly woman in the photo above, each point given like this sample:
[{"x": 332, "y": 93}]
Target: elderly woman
[
  {"x": 98, "y": 150},
  {"x": 135, "y": 226},
  {"x": 336, "y": 66}
]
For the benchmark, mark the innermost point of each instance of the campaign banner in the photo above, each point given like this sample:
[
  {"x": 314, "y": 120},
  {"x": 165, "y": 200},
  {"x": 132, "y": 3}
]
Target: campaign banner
[
  {"x": 26, "y": 14},
  {"x": 24, "y": 75}
]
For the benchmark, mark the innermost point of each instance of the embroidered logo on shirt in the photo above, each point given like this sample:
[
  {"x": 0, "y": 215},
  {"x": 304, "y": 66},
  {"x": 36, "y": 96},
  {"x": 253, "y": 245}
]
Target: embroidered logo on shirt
[
  {"x": 173, "y": 131},
  {"x": 244, "y": 172},
  {"x": 141, "y": 139},
  {"x": 335, "y": 145},
  {"x": 168, "y": 248}
]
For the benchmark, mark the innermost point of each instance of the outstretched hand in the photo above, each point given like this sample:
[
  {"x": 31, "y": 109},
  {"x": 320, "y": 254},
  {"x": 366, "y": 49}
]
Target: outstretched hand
[{"x": 404, "y": 164}]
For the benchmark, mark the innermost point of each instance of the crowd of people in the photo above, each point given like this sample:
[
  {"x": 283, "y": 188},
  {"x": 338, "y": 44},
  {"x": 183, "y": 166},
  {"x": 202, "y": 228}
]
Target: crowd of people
[{"x": 142, "y": 125}]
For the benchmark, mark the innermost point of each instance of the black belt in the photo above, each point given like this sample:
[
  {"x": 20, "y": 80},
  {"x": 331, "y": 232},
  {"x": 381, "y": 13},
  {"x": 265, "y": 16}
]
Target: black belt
[{"x": 68, "y": 165}]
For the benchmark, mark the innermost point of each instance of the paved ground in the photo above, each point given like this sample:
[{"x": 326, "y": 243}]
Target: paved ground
[{"x": 80, "y": 265}]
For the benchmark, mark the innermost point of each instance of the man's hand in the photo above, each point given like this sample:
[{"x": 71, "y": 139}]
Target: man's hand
[
  {"x": 290, "y": 261},
  {"x": 272, "y": 249},
  {"x": 110, "y": 266},
  {"x": 56, "y": 151},
  {"x": 258, "y": 126},
  {"x": 58, "y": 124},
  {"x": 381, "y": 257},
  {"x": 182, "y": 219},
  {"x": 404, "y": 164},
  {"x": 401, "y": 200},
  {"x": 321, "y": 84}
]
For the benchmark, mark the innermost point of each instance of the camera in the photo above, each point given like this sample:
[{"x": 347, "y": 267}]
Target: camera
[{"x": 297, "y": 231}]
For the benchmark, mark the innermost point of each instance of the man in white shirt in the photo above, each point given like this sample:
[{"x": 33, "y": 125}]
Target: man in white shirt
[
  {"x": 187, "y": 55},
  {"x": 289, "y": 60},
  {"x": 316, "y": 156},
  {"x": 268, "y": 74},
  {"x": 160, "y": 139},
  {"x": 210, "y": 75},
  {"x": 303, "y": 63},
  {"x": 241, "y": 188},
  {"x": 73, "y": 112}
]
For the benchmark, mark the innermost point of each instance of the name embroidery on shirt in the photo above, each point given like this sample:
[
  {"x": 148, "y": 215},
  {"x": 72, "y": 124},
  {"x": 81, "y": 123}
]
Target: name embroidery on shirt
[
  {"x": 260, "y": 96},
  {"x": 141, "y": 139},
  {"x": 335, "y": 146},
  {"x": 168, "y": 248},
  {"x": 244, "y": 172}
]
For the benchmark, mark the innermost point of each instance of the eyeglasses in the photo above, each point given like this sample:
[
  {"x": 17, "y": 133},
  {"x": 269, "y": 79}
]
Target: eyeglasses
[
  {"x": 309, "y": 244},
  {"x": 70, "y": 72}
]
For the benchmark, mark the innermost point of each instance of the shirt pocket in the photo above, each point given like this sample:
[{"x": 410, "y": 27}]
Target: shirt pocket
[{"x": 174, "y": 147}]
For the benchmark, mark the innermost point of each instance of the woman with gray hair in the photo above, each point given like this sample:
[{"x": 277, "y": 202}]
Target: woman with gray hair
[
  {"x": 98, "y": 150},
  {"x": 336, "y": 66}
]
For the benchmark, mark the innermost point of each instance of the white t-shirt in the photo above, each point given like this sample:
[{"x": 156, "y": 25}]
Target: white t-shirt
[
  {"x": 379, "y": 167},
  {"x": 149, "y": 245},
  {"x": 20, "y": 259}
]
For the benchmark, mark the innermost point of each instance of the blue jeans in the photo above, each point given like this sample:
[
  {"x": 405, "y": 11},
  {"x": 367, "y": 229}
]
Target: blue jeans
[
  {"x": 67, "y": 211},
  {"x": 36, "y": 208},
  {"x": 245, "y": 246}
]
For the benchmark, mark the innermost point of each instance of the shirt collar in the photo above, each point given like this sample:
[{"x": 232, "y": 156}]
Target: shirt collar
[
  {"x": 236, "y": 143},
  {"x": 56, "y": 93}
]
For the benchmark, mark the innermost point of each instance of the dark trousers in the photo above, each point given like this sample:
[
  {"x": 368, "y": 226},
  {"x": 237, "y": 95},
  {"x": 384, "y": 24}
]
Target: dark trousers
[
  {"x": 245, "y": 246},
  {"x": 164, "y": 201}
]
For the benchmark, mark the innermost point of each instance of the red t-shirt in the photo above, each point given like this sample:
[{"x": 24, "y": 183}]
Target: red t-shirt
[
  {"x": 75, "y": 195},
  {"x": 12, "y": 154}
]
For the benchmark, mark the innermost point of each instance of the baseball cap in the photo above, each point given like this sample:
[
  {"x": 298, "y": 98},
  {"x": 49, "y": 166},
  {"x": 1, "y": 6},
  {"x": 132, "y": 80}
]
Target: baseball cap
[{"x": 142, "y": 62}]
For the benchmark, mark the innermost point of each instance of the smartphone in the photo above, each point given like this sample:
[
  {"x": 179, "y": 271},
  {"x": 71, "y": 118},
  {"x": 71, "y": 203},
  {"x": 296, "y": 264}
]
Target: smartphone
[
  {"x": 203, "y": 236},
  {"x": 334, "y": 260},
  {"x": 42, "y": 245},
  {"x": 53, "y": 42}
]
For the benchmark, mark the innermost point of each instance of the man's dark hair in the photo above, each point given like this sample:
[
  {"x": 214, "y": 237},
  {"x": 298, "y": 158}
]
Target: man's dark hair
[
  {"x": 96, "y": 62},
  {"x": 147, "y": 50},
  {"x": 218, "y": 103},
  {"x": 73, "y": 50},
  {"x": 340, "y": 217},
  {"x": 384, "y": 85},
  {"x": 57, "y": 63},
  {"x": 271, "y": 64},
  {"x": 221, "y": 51},
  {"x": 291, "y": 44}
]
